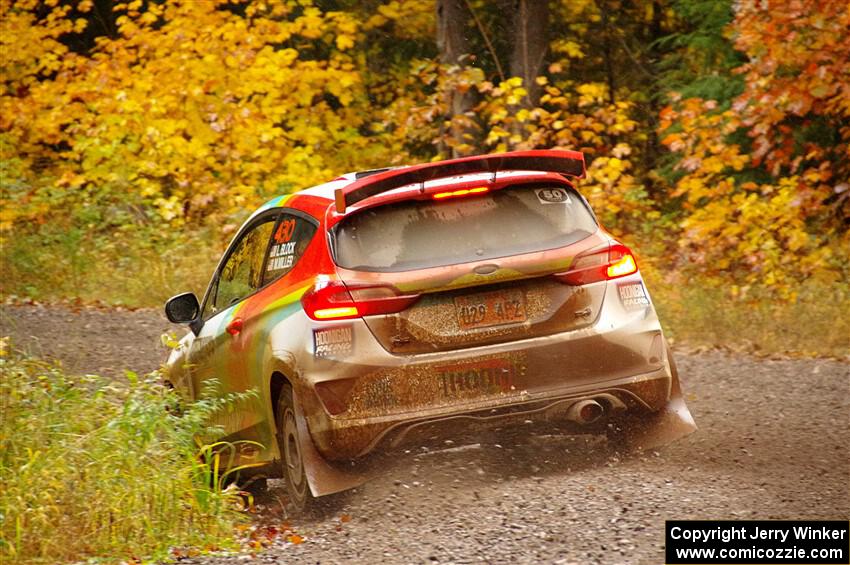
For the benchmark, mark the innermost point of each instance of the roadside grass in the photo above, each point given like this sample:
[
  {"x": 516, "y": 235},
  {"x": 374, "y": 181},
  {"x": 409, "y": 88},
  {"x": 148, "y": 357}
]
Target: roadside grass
[
  {"x": 91, "y": 468},
  {"x": 699, "y": 315},
  {"x": 136, "y": 269}
]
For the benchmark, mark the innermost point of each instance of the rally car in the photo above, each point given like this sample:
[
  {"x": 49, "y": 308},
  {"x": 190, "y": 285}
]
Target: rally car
[{"x": 389, "y": 307}]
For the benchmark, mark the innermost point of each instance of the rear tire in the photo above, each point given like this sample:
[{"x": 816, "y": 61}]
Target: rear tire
[
  {"x": 257, "y": 486},
  {"x": 291, "y": 460}
]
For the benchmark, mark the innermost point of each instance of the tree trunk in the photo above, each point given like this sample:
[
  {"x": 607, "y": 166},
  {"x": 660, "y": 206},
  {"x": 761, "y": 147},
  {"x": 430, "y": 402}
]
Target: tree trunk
[
  {"x": 530, "y": 44},
  {"x": 607, "y": 53},
  {"x": 453, "y": 46},
  {"x": 451, "y": 24}
]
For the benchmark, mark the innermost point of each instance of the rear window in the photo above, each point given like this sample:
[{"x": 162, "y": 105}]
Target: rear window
[{"x": 420, "y": 234}]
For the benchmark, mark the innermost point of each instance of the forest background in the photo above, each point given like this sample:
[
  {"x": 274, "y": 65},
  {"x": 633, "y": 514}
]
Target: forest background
[{"x": 136, "y": 136}]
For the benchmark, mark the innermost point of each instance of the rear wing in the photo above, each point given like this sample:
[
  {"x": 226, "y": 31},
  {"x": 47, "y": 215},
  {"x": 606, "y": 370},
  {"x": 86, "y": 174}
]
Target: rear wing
[{"x": 570, "y": 163}]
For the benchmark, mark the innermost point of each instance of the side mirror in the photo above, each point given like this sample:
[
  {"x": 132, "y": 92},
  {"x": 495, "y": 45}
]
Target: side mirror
[{"x": 183, "y": 308}]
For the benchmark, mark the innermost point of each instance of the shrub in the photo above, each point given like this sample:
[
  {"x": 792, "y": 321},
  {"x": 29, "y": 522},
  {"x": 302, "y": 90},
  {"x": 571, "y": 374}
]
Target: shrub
[{"x": 90, "y": 467}]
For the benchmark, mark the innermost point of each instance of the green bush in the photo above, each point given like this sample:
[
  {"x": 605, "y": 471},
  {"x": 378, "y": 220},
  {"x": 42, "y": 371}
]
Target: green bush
[{"x": 90, "y": 467}]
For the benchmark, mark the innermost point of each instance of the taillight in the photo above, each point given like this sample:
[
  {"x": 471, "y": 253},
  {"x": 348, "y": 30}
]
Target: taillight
[
  {"x": 613, "y": 262},
  {"x": 334, "y": 300}
]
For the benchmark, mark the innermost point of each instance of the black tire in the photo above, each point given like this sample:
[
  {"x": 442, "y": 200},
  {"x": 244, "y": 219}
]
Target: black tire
[
  {"x": 256, "y": 486},
  {"x": 291, "y": 461}
]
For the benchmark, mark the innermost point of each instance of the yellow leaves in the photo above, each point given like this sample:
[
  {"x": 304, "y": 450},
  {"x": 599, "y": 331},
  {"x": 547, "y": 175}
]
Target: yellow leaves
[
  {"x": 152, "y": 115},
  {"x": 148, "y": 18},
  {"x": 616, "y": 165},
  {"x": 71, "y": 179},
  {"x": 569, "y": 49},
  {"x": 147, "y": 187},
  {"x": 344, "y": 42},
  {"x": 592, "y": 93},
  {"x": 413, "y": 18},
  {"x": 712, "y": 165},
  {"x": 495, "y": 135},
  {"x": 390, "y": 11},
  {"x": 169, "y": 209},
  {"x": 310, "y": 24}
]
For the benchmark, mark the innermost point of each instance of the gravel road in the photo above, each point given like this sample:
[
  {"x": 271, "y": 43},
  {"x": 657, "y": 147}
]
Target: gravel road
[{"x": 773, "y": 443}]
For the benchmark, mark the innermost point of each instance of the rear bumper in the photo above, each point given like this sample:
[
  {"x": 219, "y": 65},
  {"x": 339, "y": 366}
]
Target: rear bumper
[
  {"x": 624, "y": 394},
  {"x": 395, "y": 400}
]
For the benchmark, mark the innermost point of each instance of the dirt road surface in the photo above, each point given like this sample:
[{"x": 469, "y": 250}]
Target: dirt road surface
[{"x": 773, "y": 443}]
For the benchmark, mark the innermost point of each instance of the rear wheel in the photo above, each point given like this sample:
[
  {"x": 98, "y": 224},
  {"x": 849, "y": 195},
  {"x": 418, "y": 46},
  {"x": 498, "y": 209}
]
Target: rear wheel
[{"x": 292, "y": 461}]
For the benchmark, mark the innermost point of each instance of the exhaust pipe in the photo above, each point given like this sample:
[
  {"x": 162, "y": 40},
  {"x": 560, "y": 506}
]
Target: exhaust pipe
[{"x": 585, "y": 412}]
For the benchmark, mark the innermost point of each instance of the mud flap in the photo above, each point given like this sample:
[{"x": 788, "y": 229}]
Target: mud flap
[
  {"x": 672, "y": 422},
  {"x": 324, "y": 477}
]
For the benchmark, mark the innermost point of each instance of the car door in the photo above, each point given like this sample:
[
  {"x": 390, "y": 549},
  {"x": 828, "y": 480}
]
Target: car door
[
  {"x": 215, "y": 355},
  {"x": 286, "y": 270}
]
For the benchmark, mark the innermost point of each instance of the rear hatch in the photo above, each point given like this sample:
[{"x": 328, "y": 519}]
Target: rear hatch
[{"x": 481, "y": 265}]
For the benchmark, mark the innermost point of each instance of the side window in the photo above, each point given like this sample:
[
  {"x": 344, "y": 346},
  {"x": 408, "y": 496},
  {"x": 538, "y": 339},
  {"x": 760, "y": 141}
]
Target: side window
[
  {"x": 291, "y": 237},
  {"x": 242, "y": 273}
]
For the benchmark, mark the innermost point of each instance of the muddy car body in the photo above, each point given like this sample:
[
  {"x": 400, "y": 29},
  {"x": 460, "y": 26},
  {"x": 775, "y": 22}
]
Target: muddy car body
[{"x": 388, "y": 307}]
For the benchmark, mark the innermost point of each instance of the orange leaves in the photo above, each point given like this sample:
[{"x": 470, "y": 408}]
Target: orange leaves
[
  {"x": 258, "y": 537},
  {"x": 798, "y": 67}
]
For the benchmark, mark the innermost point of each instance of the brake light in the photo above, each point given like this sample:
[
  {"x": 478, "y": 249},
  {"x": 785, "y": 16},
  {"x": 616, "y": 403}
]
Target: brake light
[
  {"x": 615, "y": 261},
  {"x": 461, "y": 192},
  {"x": 334, "y": 313},
  {"x": 625, "y": 266},
  {"x": 334, "y": 300}
]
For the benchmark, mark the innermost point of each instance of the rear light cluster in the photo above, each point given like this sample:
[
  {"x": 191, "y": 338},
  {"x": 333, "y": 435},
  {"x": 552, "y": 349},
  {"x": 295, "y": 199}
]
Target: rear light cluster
[
  {"x": 612, "y": 262},
  {"x": 334, "y": 300}
]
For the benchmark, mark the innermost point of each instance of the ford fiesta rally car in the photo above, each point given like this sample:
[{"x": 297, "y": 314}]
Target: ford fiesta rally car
[{"x": 388, "y": 307}]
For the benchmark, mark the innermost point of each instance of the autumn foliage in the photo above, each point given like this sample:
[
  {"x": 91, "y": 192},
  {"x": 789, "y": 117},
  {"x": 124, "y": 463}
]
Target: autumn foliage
[
  {"x": 764, "y": 176},
  {"x": 143, "y": 118}
]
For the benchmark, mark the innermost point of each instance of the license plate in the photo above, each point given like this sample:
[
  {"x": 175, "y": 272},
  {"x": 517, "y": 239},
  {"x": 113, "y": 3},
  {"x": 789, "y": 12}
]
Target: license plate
[{"x": 489, "y": 309}]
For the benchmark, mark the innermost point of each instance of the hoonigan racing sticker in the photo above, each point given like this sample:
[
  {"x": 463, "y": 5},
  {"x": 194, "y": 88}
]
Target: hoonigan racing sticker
[
  {"x": 333, "y": 342},
  {"x": 633, "y": 296}
]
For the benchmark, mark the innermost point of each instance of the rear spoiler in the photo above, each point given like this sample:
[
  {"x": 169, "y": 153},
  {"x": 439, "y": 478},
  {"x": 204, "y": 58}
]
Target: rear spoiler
[{"x": 570, "y": 163}]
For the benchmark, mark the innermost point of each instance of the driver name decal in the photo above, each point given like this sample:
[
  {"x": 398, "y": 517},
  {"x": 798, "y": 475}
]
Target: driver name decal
[{"x": 282, "y": 256}]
